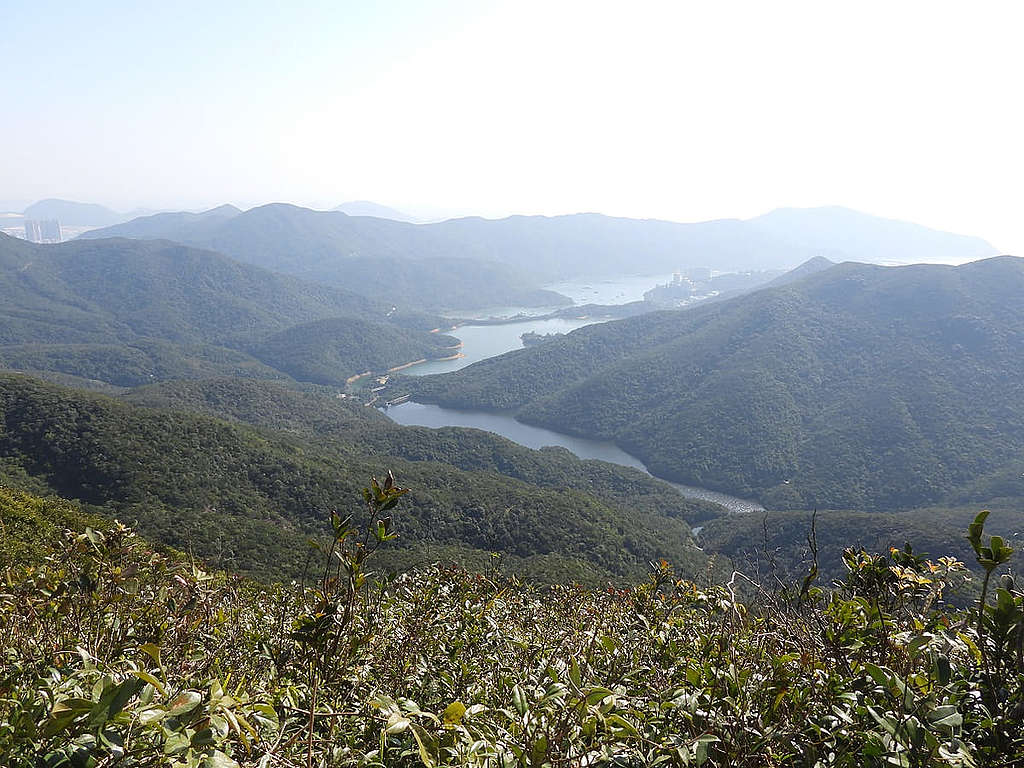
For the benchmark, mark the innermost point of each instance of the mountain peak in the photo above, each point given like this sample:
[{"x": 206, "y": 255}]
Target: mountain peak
[
  {"x": 223, "y": 210},
  {"x": 376, "y": 210},
  {"x": 812, "y": 266}
]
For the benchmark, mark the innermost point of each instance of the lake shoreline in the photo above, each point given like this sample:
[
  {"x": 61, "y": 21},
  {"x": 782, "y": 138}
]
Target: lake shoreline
[{"x": 504, "y": 424}]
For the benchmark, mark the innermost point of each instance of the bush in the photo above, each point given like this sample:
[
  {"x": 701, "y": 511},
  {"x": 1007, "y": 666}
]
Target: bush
[{"x": 115, "y": 655}]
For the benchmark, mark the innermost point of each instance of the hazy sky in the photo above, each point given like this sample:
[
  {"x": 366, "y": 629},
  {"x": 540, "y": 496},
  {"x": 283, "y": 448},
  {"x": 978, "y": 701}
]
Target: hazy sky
[{"x": 678, "y": 110}]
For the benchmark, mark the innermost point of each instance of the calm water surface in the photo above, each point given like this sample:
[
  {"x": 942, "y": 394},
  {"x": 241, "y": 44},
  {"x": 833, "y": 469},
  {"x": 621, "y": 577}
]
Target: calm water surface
[
  {"x": 617, "y": 290},
  {"x": 613, "y": 290},
  {"x": 482, "y": 341},
  {"x": 424, "y": 415}
]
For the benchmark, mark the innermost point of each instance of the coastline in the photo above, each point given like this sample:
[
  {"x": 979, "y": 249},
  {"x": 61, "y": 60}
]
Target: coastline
[
  {"x": 403, "y": 366},
  {"x": 358, "y": 376},
  {"x": 536, "y": 437}
]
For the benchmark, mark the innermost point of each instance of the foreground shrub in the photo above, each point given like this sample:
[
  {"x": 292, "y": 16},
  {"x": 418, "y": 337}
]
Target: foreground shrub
[{"x": 116, "y": 655}]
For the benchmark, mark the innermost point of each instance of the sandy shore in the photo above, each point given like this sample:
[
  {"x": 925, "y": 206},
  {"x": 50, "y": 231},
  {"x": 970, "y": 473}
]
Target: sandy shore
[{"x": 358, "y": 376}]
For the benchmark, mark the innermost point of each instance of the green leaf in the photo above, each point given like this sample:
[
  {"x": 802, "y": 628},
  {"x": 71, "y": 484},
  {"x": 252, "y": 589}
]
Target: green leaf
[
  {"x": 519, "y": 700},
  {"x": 887, "y": 722},
  {"x": 152, "y": 680},
  {"x": 153, "y": 651},
  {"x": 422, "y": 741},
  {"x": 175, "y": 743},
  {"x": 878, "y": 674},
  {"x": 124, "y": 692},
  {"x": 946, "y": 716},
  {"x": 219, "y": 760},
  {"x": 397, "y": 723},
  {"x": 539, "y": 750},
  {"x": 574, "y": 673},
  {"x": 597, "y": 695},
  {"x": 975, "y": 530},
  {"x": 184, "y": 702},
  {"x": 623, "y": 724},
  {"x": 152, "y": 715}
]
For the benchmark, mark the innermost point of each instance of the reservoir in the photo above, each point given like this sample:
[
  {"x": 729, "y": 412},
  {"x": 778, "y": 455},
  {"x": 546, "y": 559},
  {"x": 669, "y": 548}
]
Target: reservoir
[
  {"x": 482, "y": 341},
  {"x": 426, "y": 415}
]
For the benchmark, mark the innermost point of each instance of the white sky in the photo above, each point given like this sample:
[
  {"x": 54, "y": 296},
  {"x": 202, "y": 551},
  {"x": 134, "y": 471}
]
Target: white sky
[{"x": 677, "y": 110}]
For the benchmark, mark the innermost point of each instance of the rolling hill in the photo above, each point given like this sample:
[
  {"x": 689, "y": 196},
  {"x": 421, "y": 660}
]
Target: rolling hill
[
  {"x": 128, "y": 312},
  {"x": 249, "y": 496},
  {"x": 857, "y": 387},
  {"x": 370, "y": 255}
]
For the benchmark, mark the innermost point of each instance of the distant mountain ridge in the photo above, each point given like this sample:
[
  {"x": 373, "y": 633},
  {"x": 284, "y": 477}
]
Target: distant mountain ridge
[
  {"x": 74, "y": 214},
  {"x": 843, "y": 234},
  {"x": 858, "y": 386},
  {"x": 325, "y": 245},
  {"x": 71, "y": 213}
]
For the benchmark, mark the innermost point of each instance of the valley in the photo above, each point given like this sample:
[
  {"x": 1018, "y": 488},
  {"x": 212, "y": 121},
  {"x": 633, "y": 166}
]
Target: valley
[
  {"x": 512, "y": 385},
  {"x": 700, "y": 443},
  {"x": 791, "y": 394},
  {"x": 551, "y": 431}
]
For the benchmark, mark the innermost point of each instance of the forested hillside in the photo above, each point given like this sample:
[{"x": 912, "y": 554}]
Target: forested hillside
[
  {"x": 371, "y": 255},
  {"x": 129, "y": 312},
  {"x": 329, "y": 421},
  {"x": 857, "y": 387},
  {"x": 248, "y": 498}
]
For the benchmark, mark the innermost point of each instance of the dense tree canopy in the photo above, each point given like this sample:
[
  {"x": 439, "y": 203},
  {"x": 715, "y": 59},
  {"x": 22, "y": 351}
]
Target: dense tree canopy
[
  {"x": 250, "y": 497},
  {"x": 858, "y": 386}
]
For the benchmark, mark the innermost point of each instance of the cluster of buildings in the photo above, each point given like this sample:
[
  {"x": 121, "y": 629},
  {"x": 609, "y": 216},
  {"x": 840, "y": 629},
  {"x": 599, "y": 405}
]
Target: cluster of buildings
[
  {"x": 43, "y": 231},
  {"x": 36, "y": 230},
  {"x": 685, "y": 288}
]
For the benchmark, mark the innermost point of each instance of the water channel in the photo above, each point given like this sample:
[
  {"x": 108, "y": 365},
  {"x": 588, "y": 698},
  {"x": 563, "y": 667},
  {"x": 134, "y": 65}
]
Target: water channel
[{"x": 425, "y": 415}]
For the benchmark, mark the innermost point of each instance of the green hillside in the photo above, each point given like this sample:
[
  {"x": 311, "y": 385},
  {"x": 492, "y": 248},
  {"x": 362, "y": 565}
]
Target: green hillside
[
  {"x": 249, "y": 498},
  {"x": 128, "y": 312},
  {"x": 329, "y": 351},
  {"x": 372, "y": 255},
  {"x": 337, "y": 424},
  {"x": 858, "y": 387},
  {"x": 137, "y": 362},
  {"x": 775, "y": 545},
  {"x": 122, "y": 289}
]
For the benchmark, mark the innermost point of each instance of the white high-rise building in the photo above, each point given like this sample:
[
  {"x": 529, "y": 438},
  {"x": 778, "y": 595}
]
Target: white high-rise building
[{"x": 43, "y": 231}]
